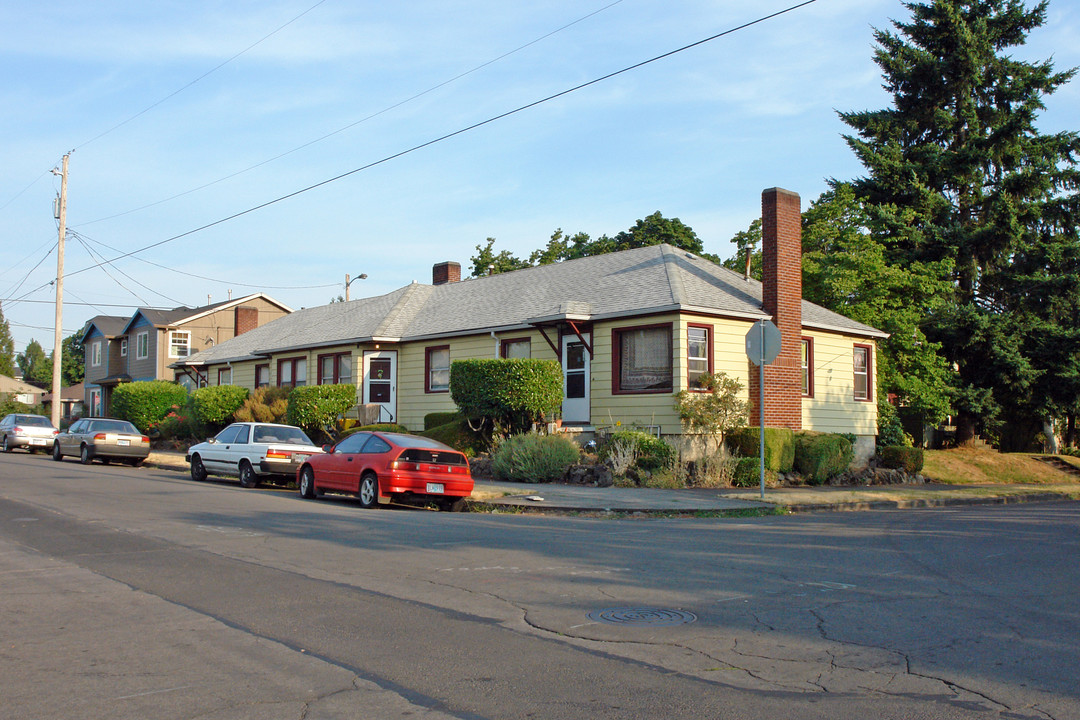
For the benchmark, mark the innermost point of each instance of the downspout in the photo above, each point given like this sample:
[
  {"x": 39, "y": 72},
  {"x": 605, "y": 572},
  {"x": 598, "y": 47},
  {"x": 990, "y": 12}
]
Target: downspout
[{"x": 497, "y": 343}]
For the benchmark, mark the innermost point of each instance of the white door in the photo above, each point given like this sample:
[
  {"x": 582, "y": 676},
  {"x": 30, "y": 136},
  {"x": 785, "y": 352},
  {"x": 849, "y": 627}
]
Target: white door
[
  {"x": 575, "y": 406},
  {"x": 380, "y": 382}
]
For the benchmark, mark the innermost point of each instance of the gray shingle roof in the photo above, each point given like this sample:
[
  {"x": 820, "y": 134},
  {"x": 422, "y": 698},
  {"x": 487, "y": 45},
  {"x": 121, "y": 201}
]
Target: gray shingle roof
[{"x": 655, "y": 279}]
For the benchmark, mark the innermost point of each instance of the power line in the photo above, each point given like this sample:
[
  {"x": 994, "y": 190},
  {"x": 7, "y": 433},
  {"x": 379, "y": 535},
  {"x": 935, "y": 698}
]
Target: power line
[
  {"x": 387, "y": 109},
  {"x": 455, "y": 133},
  {"x": 201, "y": 77}
]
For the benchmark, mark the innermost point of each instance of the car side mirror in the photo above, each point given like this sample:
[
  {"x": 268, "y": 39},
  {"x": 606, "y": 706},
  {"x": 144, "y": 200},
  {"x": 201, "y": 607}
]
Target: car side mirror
[
  {"x": 327, "y": 448},
  {"x": 212, "y": 441}
]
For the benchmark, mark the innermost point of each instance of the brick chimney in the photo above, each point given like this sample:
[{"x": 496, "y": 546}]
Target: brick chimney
[
  {"x": 445, "y": 272},
  {"x": 247, "y": 318},
  {"x": 781, "y": 294}
]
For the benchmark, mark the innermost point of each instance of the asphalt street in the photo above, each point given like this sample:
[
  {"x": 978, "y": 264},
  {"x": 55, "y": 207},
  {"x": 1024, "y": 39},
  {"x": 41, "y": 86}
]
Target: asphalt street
[{"x": 135, "y": 593}]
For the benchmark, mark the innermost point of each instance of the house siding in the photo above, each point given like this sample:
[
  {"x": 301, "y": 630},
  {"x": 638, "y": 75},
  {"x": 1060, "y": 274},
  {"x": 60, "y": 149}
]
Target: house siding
[
  {"x": 144, "y": 368},
  {"x": 833, "y": 407}
]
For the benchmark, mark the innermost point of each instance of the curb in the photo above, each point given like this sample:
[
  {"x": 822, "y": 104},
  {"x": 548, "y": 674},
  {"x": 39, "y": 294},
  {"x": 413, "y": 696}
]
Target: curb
[{"x": 918, "y": 503}]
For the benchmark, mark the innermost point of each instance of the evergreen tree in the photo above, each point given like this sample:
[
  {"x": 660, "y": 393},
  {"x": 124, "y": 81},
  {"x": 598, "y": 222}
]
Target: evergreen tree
[
  {"x": 7, "y": 347},
  {"x": 35, "y": 365},
  {"x": 960, "y": 178},
  {"x": 72, "y": 359}
]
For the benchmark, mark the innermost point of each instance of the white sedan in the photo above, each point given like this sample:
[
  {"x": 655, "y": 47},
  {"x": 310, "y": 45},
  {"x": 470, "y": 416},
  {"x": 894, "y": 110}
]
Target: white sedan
[{"x": 252, "y": 452}]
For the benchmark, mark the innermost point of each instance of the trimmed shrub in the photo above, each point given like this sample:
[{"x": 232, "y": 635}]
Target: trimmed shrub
[
  {"x": 435, "y": 419},
  {"x": 747, "y": 472},
  {"x": 147, "y": 401},
  {"x": 820, "y": 456},
  {"x": 779, "y": 446},
  {"x": 901, "y": 457},
  {"x": 317, "y": 407},
  {"x": 458, "y": 435},
  {"x": 890, "y": 428},
  {"x": 266, "y": 404},
  {"x": 513, "y": 394},
  {"x": 215, "y": 404},
  {"x": 534, "y": 458}
]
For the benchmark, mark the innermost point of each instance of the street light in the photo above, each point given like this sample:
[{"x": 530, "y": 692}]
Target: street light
[{"x": 348, "y": 282}]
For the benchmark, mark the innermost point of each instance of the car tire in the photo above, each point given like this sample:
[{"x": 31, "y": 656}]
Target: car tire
[
  {"x": 135, "y": 462},
  {"x": 7, "y": 446},
  {"x": 452, "y": 505},
  {"x": 85, "y": 456},
  {"x": 198, "y": 470},
  {"x": 368, "y": 492},
  {"x": 307, "y": 482},
  {"x": 248, "y": 478},
  {"x": 56, "y": 454}
]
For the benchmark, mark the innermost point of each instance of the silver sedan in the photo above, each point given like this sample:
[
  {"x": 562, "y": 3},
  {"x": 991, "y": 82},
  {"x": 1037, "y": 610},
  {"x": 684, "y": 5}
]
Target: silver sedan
[{"x": 104, "y": 439}]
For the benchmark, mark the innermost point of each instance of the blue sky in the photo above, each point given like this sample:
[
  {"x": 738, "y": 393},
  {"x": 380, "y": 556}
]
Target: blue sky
[{"x": 696, "y": 136}]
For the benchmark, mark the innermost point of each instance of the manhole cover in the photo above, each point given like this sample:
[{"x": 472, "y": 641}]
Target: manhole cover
[{"x": 642, "y": 616}]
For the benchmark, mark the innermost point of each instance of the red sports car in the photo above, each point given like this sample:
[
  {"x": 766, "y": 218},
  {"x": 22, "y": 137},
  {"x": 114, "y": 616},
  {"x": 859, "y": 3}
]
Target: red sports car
[{"x": 385, "y": 465}]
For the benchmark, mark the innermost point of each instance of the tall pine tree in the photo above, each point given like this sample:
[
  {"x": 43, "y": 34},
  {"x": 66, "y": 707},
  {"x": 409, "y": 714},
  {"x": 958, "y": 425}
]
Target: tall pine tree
[{"x": 959, "y": 178}]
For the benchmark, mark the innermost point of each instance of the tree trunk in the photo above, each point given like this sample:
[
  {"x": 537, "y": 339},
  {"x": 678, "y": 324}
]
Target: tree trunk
[
  {"x": 965, "y": 428},
  {"x": 1051, "y": 438}
]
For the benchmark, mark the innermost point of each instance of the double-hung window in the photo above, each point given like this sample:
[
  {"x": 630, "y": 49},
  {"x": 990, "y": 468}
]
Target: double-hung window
[
  {"x": 262, "y": 376},
  {"x": 224, "y": 376},
  {"x": 517, "y": 348},
  {"x": 806, "y": 363},
  {"x": 179, "y": 343},
  {"x": 95, "y": 353},
  {"x": 335, "y": 369},
  {"x": 698, "y": 353},
  {"x": 123, "y": 347},
  {"x": 642, "y": 359},
  {"x": 863, "y": 360},
  {"x": 438, "y": 369},
  {"x": 142, "y": 345}
]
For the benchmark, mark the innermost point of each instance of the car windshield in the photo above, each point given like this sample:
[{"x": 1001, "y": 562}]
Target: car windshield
[
  {"x": 281, "y": 434},
  {"x": 116, "y": 426},
  {"x": 33, "y": 420}
]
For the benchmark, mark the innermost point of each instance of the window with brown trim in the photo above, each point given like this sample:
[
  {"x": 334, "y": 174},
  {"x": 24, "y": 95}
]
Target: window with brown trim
[
  {"x": 641, "y": 359},
  {"x": 698, "y": 353},
  {"x": 224, "y": 376},
  {"x": 262, "y": 376},
  {"x": 516, "y": 348},
  {"x": 292, "y": 372},
  {"x": 806, "y": 363},
  {"x": 335, "y": 369},
  {"x": 863, "y": 361},
  {"x": 437, "y": 369}
]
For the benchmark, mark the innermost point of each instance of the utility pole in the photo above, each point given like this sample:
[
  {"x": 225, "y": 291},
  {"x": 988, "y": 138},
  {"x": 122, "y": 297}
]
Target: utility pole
[{"x": 58, "y": 340}]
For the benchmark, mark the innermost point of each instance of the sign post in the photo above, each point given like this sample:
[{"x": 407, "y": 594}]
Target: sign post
[{"x": 762, "y": 346}]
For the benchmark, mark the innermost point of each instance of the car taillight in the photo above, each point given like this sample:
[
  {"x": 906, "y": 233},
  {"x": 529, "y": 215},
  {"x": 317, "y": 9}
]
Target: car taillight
[
  {"x": 100, "y": 436},
  {"x": 276, "y": 454},
  {"x": 146, "y": 439},
  {"x": 405, "y": 465}
]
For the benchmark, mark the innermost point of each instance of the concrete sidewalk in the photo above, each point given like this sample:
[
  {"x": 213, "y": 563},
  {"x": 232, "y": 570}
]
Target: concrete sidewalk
[{"x": 573, "y": 498}]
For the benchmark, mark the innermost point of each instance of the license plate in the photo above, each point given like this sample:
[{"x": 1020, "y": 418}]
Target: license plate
[
  {"x": 435, "y": 488},
  {"x": 37, "y": 441},
  {"x": 123, "y": 443}
]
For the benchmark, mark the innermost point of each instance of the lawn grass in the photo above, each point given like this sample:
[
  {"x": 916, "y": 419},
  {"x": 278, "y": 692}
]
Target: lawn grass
[{"x": 973, "y": 466}]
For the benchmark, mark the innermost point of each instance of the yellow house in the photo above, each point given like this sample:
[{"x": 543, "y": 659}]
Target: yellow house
[{"x": 630, "y": 329}]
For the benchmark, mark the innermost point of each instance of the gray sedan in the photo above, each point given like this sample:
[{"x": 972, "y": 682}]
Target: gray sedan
[
  {"x": 32, "y": 432},
  {"x": 104, "y": 439}
]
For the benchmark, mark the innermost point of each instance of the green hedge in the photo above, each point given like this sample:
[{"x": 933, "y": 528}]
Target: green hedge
[
  {"x": 315, "y": 407},
  {"x": 779, "y": 446},
  {"x": 215, "y": 404},
  {"x": 380, "y": 427},
  {"x": 435, "y": 419},
  {"x": 820, "y": 456},
  {"x": 145, "y": 402},
  {"x": 908, "y": 459},
  {"x": 512, "y": 393},
  {"x": 534, "y": 458},
  {"x": 458, "y": 435}
]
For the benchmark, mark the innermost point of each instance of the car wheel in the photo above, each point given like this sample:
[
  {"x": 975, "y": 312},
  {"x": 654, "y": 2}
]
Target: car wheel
[
  {"x": 7, "y": 446},
  {"x": 198, "y": 470},
  {"x": 135, "y": 462},
  {"x": 307, "y": 482},
  {"x": 369, "y": 490},
  {"x": 248, "y": 478},
  {"x": 56, "y": 454},
  {"x": 452, "y": 504},
  {"x": 84, "y": 455}
]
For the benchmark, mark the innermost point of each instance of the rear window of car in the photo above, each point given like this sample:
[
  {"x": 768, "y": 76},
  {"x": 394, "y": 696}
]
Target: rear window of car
[
  {"x": 440, "y": 456},
  {"x": 33, "y": 420},
  {"x": 116, "y": 426},
  {"x": 282, "y": 434},
  {"x": 415, "y": 441}
]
